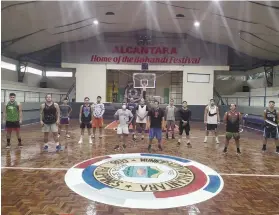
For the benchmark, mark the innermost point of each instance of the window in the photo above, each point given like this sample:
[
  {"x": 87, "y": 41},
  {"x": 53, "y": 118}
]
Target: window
[
  {"x": 58, "y": 74},
  {"x": 9, "y": 66},
  {"x": 32, "y": 70},
  {"x": 198, "y": 78}
]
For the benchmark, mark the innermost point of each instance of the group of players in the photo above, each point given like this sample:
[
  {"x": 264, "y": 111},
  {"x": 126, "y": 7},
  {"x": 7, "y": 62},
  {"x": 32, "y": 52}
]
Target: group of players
[{"x": 142, "y": 117}]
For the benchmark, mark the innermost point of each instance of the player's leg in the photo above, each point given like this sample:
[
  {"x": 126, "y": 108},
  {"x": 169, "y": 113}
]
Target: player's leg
[
  {"x": 67, "y": 131},
  {"x": 82, "y": 128},
  {"x": 168, "y": 128},
  {"x": 236, "y": 137},
  {"x": 216, "y": 133},
  {"x": 100, "y": 125},
  {"x": 276, "y": 141},
  {"x": 151, "y": 137},
  {"x": 207, "y": 128},
  {"x": 187, "y": 131},
  {"x": 8, "y": 135},
  {"x": 172, "y": 129},
  {"x": 158, "y": 134},
  {"x": 134, "y": 128},
  {"x": 125, "y": 131},
  {"x": 180, "y": 133},
  {"x": 94, "y": 125},
  {"x": 119, "y": 134},
  {"x": 17, "y": 130},
  {"x": 266, "y": 135},
  {"x": 54, "y": 131},
  {"x": 229, "y": 136},
  {"x": 89, "y": 127}
]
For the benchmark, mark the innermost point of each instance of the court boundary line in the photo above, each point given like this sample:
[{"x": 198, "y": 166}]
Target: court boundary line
[{"x": 66, "y": 169}]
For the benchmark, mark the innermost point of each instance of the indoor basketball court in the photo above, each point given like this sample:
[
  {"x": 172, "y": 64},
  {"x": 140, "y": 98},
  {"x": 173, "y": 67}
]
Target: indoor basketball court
[{"x": 139, "y": 108}]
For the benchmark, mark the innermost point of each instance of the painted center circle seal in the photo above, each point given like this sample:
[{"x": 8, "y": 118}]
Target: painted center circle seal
[{"x": 149, "y": 181}]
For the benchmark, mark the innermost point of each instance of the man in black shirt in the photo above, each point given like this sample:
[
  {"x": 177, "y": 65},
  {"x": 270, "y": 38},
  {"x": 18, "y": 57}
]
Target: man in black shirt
[
  {"x": 132, "y": 106},
  {"x": 271, "y": 117},
  {"x": 156, "y": 123},
  {"x": 184, "y": 119}
]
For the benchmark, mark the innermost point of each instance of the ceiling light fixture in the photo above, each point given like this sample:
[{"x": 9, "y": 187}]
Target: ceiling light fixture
[
  {"x": 95, "y": 22},
  {"x": 180, "y": 15},
  {"x": 197, "y": 24},
  {"x": 110, "y": 13}
]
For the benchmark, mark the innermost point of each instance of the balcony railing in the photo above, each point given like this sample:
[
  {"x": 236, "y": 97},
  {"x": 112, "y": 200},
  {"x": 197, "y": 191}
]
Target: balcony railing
[{"x": 253, "y": 101}]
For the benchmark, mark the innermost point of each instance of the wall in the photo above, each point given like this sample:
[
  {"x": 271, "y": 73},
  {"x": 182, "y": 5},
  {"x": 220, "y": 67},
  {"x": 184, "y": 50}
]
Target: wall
[
  {"x": 90, "y": 80},
  {"x": 8, "y": 75},
  {"x": 223, "y": 89},
  {"x": 62, "y": 83},
  {"x": 199, "y": 93}
]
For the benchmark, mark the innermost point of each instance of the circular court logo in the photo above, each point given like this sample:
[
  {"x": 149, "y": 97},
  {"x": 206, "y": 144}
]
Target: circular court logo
[{"x": 144, "y": 181}]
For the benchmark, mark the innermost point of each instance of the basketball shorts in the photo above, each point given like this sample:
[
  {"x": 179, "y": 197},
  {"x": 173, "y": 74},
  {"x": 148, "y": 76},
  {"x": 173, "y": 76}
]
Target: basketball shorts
[
  {"x": 234, "y": 135},
  {"x": 185, "y": 128},
  {"x": 211, "y": 127},
  {"x": 97, "y": 122},
  {"x": 271, "y": 133},
  {"x": 64, "y": 121},
  {"x": 122, "y": 129},
  {"x": 155, "y": 133},
  {"x": 141, "y": 126},
  {"x": 85, "y": 125},
  {"x": 170, "y": 123},
  {"x": 50, "y": 128},
  {"x": 12, "y": 126}
]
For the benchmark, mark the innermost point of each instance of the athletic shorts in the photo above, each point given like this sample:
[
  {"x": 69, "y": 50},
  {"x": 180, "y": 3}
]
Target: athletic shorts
[
  {"x": 211, "y": 127},
  {"x": 85, "y": 125},
  {"x": 234, "y": 135},
  {"x": 270, "y": 133},
  {"x": 50, "y": 128},
  {"x": 12, "y": 126},
  {"x": 170, "y": 123},
  {"x": 122, "y": 129},
  {"x": 64, "y": 121},
  {"x": 141, "y": 126},
  {"x": 155, "y": 133},
  {"x": 97, "y": 122},
  {"x": 185, "y": 128}
]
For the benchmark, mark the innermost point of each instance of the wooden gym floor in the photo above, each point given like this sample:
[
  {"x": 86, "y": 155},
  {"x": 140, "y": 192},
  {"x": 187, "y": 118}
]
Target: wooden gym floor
[{"x": 33, "y": 181}]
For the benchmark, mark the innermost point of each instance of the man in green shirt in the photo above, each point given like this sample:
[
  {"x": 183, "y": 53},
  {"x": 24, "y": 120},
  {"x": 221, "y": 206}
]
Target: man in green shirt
[{"x": 12, "y": 117}]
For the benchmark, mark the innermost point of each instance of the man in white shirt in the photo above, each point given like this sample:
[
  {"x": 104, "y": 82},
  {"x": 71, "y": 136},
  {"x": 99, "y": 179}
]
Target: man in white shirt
[
  {"x": 124, "y": 117},
  {"x": 211, "y": 120},
  {"x": 98, "y": 112},
  {"x": 141, "y": 113},
  {"x": 170, "y": 117}
]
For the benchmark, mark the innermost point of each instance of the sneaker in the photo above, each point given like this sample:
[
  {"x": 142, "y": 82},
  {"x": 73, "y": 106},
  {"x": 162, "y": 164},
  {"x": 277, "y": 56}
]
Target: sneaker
[
  {"x": 217, "y": 141},
  {"x": 100, "y": 137},
  {"x": 124, "y": 146},
  {"x": 58, "y": 135},
  {"x": 92, "y": 136},
  {"x": 178, "y": 143},
  {"x": 116, "y": 147},
  {"x": 189, "y": 145},
  {"x": 80, "y": 141},
  {"x": 8, "y": 146},
  {"x": 205, "y": 140},
  {"x": 142, "y": 137},
  {"x": 160, "y": 147},
  {"x": 277, "y": 149},
  {"x": 264, "y": 148},
  {"x": 134, "y": 137},
  {"x": 238, "y": 152},
  {"x": 172, "y": 137},
  {"x": 149, "y": 148},
  {"x": 167, "y": 135},
  {"x": 68, "y": 136},
  {"x": 20, "y": 145},
  {"x": 58, "y": 148},
  {"x": 90, "y": 140},
  {"x": 225, "y": 150},
  {"x": 45, "y": 148}
]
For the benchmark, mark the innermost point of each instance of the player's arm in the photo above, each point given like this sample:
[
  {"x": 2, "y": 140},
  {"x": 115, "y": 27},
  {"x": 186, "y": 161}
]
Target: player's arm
[
  {"x": 190, "y": 116},
  {"x": 147, "y": 111},
  {"x": 92, "y": 111},
  {"x": 42, "y": 113},
  {"x": 57, "y": 112},
  {"x": 103, "y": 110},
  {"x": 205, "y": 114},
  {"x": 225, "y": 118},
  {"x": 116, "y": 115},
  {"x": 277, "y": 117},
  {"x": 148, "y": 119},
  {"x": 137, "y": 111},
  {"x": 131, "y": 116},
  {"x": 20, "y": 112},
  {"x": 218, "y": 114},
  {"x": 163, "y": 120},
  {"x": 70, "y": 110},
  {"x": 80, "y": 113}
]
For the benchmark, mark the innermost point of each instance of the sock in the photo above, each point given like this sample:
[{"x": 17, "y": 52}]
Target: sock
[
  {"x": 179, "y": 140},
  {"x": 19, "y": 140},
  {"x": 8, "y": 140}
]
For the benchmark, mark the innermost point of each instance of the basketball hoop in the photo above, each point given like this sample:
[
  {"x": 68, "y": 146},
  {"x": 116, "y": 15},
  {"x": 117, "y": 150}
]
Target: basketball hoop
[{"x": 144, "y": 80}]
